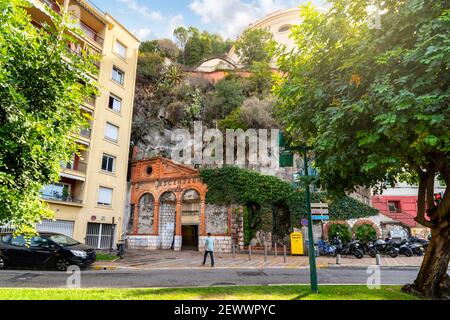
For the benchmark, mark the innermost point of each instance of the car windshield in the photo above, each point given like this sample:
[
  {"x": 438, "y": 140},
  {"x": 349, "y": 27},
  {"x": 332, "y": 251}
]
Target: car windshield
[{"x": 63, "y": 240}]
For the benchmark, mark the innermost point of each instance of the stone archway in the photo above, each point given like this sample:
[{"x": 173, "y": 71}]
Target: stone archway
[
  {"x": 361, "y": 222},
  {"x": 146, "y": 214},
  {"x": 167, "y": 219},
  {"x": 329, "y": 224},
  {"x": 190, "y": 219}
]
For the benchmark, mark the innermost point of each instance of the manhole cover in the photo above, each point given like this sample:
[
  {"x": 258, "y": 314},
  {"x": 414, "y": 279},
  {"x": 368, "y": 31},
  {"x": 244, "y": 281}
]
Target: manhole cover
[{"x": 252, "y": 273}]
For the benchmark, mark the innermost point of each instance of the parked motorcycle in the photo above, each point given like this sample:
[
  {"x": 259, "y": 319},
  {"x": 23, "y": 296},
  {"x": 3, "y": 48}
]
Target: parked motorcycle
[
  {"x": 326, "y": 249},
  {"x": 419, "y": 246},
  {"x": 369, "y": 248},
  {"x": 386, "y": 248},
  {"x": 351, "y": 248},
  {"x": 403, "y": 247}
]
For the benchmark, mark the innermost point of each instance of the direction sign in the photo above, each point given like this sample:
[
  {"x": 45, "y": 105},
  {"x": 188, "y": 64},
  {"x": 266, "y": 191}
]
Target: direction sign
[
  {"x": 320, "y": 218},
  {"x": 319, "y": 211}
]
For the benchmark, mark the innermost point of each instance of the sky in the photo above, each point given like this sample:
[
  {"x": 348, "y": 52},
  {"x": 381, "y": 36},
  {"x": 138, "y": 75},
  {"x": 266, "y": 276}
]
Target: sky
[{"x": 155, "y": 19}]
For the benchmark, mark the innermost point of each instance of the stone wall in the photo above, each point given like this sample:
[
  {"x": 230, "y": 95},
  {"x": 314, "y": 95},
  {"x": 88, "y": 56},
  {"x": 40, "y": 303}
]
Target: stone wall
[
  {"x": 146, "y": 214},
  {"x": 216, "y": 219},
  {"x": 167, "y": 216},
  {"x": 221, "y": 243},
  {"x": 144, "y": 242}
]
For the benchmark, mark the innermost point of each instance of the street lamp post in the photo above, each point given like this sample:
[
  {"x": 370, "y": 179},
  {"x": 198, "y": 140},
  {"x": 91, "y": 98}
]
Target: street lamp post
[{"x": 311, "y": 251}]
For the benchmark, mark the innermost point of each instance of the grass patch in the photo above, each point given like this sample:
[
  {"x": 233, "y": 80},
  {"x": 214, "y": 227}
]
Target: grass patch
[
  {"x": 102, "y": 256},
  {"x": 295, "y": 292}
]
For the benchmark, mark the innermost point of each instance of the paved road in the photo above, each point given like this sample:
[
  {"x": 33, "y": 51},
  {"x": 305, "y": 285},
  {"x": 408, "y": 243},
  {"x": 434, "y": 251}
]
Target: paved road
[{"x": 206, "y": 277}]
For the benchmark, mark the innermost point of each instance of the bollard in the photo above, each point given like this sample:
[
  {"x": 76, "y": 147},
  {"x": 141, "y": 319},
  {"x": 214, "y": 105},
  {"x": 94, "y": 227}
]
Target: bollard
[
  {"x": 378, "y": 259},
  {"x": 265, "y": 252},
  {"x": 276, "y": 250},
  {"x": 233, "y": 248},
  {"x": 284, "y": 249},
  {"x": 338, "y": 259},
  {"x": 249, "y": 252}
]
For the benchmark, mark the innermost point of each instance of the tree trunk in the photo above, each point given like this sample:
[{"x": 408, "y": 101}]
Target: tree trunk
[{"x": 433, "y": 280}]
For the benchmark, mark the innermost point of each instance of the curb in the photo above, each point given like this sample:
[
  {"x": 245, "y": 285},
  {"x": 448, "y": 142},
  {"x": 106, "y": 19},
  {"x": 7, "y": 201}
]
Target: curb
[
  {"x": 104, "y": 268},
  {"x": 365, "y": 267}
]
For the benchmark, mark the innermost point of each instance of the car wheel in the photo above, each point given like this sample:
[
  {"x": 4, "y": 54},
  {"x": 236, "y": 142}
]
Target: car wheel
[
  {"x": 62, "y": 264},
  {"x": 2, "y": 263}
]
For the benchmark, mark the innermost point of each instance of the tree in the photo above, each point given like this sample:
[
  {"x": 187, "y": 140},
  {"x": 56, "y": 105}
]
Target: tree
[
  {"x": 40, "y": 115},
  {"x": 373, "y": 104},
  {"x": 182, "y": 36},
  {"x": 252, "y": 46},
  {"x": 150, "y": 65}
]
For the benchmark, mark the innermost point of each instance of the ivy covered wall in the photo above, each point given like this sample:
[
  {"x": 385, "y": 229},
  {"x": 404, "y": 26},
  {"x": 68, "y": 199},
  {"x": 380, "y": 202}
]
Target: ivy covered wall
[{"x": 260, "y": 193}]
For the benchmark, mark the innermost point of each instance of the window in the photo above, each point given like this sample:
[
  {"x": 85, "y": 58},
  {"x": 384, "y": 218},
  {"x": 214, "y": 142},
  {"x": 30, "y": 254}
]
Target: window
[
  {"x": 120, "y": 50},
  {"x": 5, "y": 239},
  {"x": 118, "y": 75},
  {"x": 108, "y": 163},
  {"x": 56, "y": 191},
  {"x": 105, "y": 196},
  {"x": 38, "y": 242},
  {"x": 394, "y": 206},
  {"x": 115, "y": 103},
  {"x": 18, "y": 241},
  {"x": 284, "y": 28},
  {"x": 112, "y": 132},
  {"x": 99, "y": 235}
]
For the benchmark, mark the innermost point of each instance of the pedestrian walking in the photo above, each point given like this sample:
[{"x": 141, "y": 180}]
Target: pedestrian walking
[{"x": 209, "y": 249}]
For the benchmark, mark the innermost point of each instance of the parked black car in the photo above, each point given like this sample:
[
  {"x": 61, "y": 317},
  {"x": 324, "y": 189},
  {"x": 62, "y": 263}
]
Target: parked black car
[{"x": 46, "y": 250}]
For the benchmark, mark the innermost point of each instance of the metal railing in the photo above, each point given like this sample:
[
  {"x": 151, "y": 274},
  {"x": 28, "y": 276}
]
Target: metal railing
[
  {"x": 79, "y": 167},
  {"x": 52, "y": 5},
  {"x": 86, "y": 133},
  {"x": 91, "y": 34},
  {"x": 60, "y": 197}
]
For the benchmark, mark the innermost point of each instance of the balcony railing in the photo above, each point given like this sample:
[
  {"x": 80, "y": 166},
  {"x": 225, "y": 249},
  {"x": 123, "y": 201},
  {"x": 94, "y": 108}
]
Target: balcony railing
[
  {"x": 91, "y": 34},
  {"x": 60, "y": 197},
  {"x": 52, "y": 5},
  {"x": 80, "y": 167},
  {"x": 86, "y": 133},
  {"x": 85, "y": 28},
  {"x": 81, "y": 54},
  {"x": 90, "y": 101}
]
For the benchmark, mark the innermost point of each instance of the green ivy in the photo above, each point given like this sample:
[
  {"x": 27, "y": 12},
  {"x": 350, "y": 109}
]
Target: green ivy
[
  {"x": 365, "y": 233},
  {"x": 258, "y": 193},
  {"x": 342, "y": 230}
]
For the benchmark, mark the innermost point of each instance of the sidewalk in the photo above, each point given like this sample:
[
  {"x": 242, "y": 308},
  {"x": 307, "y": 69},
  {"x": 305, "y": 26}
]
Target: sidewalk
[{"x": 166, "y": 259}]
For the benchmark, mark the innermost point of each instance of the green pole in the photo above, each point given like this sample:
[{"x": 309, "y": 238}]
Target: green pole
[{"x": 312, "y": 255}]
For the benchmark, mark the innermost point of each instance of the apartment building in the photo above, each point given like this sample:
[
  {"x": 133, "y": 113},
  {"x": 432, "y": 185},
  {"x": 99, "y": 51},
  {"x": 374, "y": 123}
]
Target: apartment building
[{"x": 89, "y": 200}]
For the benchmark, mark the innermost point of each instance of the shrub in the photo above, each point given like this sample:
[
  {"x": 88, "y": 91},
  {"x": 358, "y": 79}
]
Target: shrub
[
  {"x": 365, "y": 232},
  {"x": 343, "y": 230}
]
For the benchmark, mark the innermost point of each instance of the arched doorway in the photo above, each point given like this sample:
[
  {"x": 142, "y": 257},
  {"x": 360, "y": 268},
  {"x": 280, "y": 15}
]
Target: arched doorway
[
  {"x": 146, "y": 214},
  {"x": 167, "y": 219},
  {"x": 190, "y": 219}
]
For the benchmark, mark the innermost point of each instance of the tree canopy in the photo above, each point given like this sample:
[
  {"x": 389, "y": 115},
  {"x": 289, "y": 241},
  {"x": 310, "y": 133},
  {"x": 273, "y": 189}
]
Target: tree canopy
[
  {"x": 252, "y": 46},
  {"x": 374, "y": 104},
  {"x": 40, "y": 115}
]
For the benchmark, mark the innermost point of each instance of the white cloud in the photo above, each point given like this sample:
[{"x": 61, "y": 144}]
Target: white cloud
[
  {"x": 231, "y": 17},
  {"x": 175, "y": 22},
  {"x": 143, "y": 34},
  {"x": 142, "y": 9}
]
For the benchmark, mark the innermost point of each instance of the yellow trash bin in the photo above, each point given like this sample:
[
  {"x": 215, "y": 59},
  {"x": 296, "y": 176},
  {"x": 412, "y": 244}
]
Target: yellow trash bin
[{"x": 297, "y": 243}]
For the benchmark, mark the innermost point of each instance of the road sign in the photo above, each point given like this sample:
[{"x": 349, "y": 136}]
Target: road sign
[
  {"x": 320, "y": 218},
  {"x": 304, "y": 222},
  {"x": 319, "y": 211}
]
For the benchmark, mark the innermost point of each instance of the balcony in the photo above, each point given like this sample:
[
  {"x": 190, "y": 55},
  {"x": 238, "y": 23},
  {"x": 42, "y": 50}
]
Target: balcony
[
  {"x": 56, "y": 197},
  {"x": 52, "y": 5},
  {"x": 85, "y": 133},
  {"x": 90, "y": 33},
  {"x": 74, "y": 171}
]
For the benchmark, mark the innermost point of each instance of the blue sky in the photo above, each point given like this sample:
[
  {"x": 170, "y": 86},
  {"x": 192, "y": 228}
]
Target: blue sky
[{"x": 150, "y": 19}]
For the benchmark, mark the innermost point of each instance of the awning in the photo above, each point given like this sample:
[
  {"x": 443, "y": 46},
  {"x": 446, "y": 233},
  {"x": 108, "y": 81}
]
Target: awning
[{"x": 71, "y": 176}]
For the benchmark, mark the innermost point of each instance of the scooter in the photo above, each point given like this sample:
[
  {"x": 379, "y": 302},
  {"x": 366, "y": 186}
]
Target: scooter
[
  {"x": 403, "y": 247},
  {"x": 369, "y": 248},
  {"x": 352, "y": 248},
  {"x": 326, "y": 249},
  {"x": 386, "y": 248}
]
